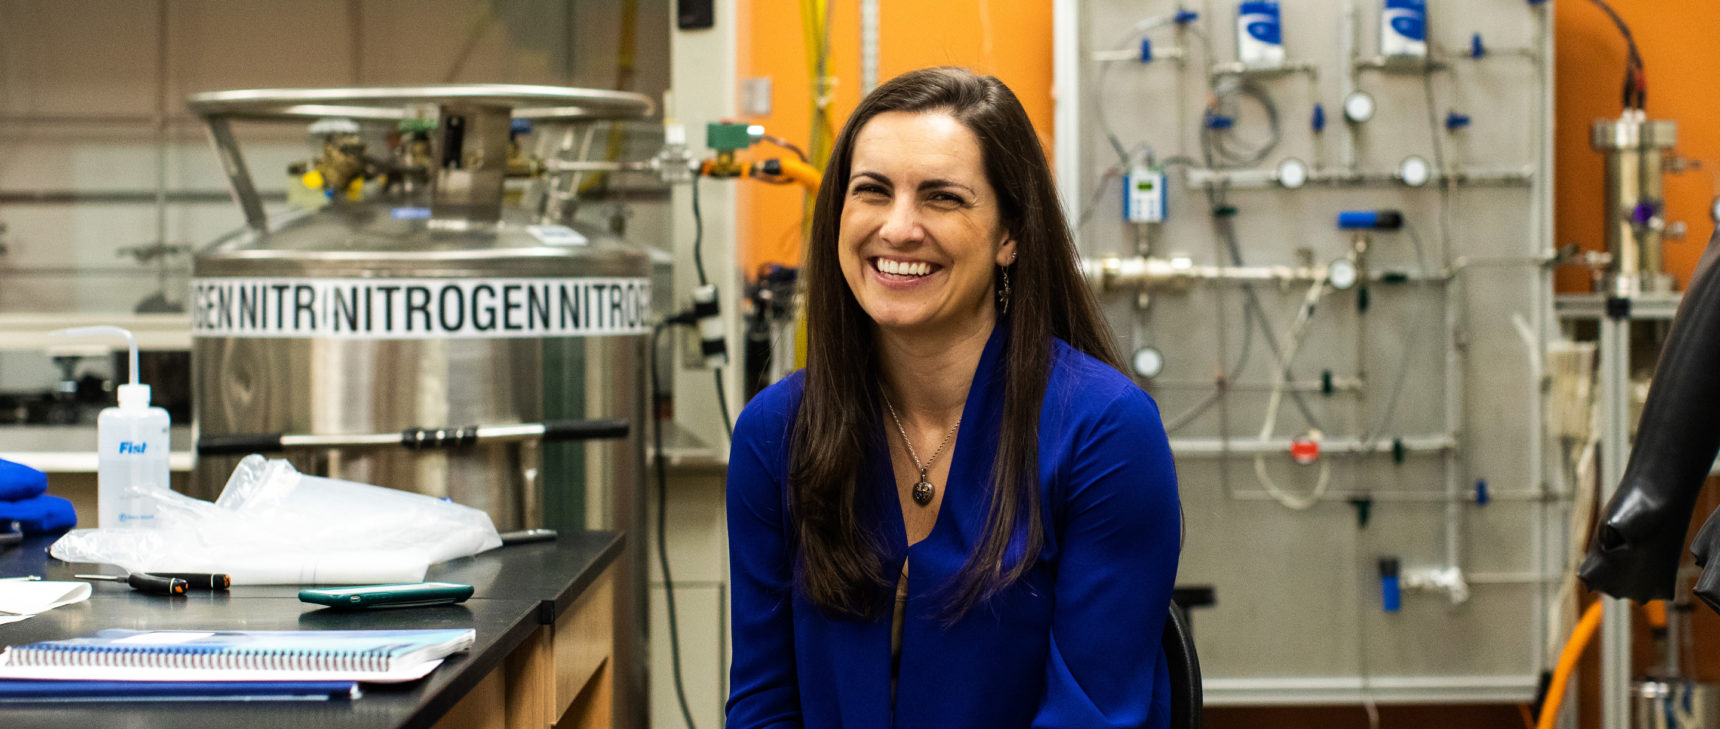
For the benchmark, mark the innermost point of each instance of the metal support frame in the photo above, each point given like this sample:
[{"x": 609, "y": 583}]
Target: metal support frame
[
  {"x": 1615, "y": 448},
  {"x": 233, "y": 163},
  {"x": 1613, "y": 349}
]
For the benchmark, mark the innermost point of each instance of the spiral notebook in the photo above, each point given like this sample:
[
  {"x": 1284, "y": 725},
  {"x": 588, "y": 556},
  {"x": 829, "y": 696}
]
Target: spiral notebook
[
  {"x": 25, "y": 691},
  {"x": 376, "y": 656}
]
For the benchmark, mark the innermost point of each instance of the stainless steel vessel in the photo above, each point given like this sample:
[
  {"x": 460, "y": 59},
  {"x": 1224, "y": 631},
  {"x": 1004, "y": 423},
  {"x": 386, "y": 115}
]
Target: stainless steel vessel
[
  {"x": 421, "y": 304},
  {"x": 255, "y": 372},
  {"x": 1636, "y": 204}
]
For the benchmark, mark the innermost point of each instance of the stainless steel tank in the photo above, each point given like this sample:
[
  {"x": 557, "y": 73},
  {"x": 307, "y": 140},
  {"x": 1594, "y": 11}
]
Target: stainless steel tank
[
  {"x": 1636, "y": 202},
  {"x": 414, "y": 309},
  {"x": 349, "y": 322}
]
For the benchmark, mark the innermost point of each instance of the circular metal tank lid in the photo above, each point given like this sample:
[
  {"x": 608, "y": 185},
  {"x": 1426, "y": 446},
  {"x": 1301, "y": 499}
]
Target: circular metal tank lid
[
  {"x": 376, "y": 238},
  {"x": 391, "y": 102}
]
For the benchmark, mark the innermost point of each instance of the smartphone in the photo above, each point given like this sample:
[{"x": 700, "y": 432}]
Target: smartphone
[{"x": 368, "y": 597}]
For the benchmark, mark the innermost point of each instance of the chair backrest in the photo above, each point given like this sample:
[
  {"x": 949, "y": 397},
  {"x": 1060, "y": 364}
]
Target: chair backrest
[{"x": 1186, "y": 698}]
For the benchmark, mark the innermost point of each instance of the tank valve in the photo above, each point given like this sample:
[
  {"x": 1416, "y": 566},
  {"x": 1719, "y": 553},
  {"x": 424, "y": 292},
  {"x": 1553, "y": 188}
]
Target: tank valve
[
  {"x": 1391, "y": 598},
  {"x": 1305, "y": 449}
]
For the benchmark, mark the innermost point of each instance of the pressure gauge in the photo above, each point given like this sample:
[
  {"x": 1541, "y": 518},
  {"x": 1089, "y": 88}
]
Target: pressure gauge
[
  {"x": 1358, "y": 107},
  {"x": 1292, "y": 174},
  {"x": 1341, "y": 274},
  {"x": 1148, "y": 362},
  {"x": 1414, "y": 171}
]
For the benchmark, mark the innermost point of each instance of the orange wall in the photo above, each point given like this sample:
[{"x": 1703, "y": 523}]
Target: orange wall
[
  {"x": 1010, "y": 39},
  {"x": 1013, "y": 41},
  {"x": 1681, "y": 62}
]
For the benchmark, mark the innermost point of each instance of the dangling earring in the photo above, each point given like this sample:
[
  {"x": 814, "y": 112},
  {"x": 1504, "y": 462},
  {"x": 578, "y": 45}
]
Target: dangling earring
[{"x": 1003, "y": 292}]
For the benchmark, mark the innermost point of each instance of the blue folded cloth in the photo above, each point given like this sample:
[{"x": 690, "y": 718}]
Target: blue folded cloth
[
  {"x": 38, "y": 514},
  {"x": 19, "y": 482}
]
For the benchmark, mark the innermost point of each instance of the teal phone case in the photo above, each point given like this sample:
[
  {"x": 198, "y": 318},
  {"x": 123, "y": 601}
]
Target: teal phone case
[{"x": 370, "y": 597}]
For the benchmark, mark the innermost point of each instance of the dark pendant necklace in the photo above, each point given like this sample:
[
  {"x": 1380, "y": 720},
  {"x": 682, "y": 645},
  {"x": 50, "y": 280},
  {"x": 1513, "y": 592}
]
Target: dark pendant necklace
[{"x": 923, "y": 489}]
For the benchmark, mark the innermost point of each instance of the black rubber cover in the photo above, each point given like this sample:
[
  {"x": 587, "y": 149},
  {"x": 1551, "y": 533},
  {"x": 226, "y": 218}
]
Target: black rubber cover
[
  {"x": 1635, "y": 551},
  {"x": 239, "y": 445},
  {"x": 602, "y": 429},
  {"x": 1705, "y": 546}
]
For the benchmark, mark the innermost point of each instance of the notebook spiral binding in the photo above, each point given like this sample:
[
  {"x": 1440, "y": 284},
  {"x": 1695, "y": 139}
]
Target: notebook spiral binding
[{"x": 199, "y": 657}]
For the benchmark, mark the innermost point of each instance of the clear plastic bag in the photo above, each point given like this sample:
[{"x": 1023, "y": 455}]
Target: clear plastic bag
[{"x": 275, "y": 526}]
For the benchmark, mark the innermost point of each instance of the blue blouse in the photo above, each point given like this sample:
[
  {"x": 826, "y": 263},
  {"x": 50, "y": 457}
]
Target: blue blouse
[{"x": 1076, "y": 643}]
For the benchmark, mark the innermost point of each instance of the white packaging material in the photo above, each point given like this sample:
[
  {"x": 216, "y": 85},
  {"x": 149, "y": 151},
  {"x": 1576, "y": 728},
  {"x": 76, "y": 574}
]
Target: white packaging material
[
  {"x": 20, "y": 599},
  {"x": 274, "y": 526}
]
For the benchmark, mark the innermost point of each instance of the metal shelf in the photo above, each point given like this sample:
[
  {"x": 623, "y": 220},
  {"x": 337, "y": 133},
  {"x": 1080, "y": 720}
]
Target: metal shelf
[
  {"x": 155, "y": 332},
  {"x": 1648, "y": 307},
  {"x": 72, "y": 448}
]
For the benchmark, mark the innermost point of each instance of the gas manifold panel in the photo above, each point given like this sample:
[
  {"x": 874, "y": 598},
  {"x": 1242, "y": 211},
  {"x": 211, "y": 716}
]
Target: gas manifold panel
[{"x": 1321, "y": 232}]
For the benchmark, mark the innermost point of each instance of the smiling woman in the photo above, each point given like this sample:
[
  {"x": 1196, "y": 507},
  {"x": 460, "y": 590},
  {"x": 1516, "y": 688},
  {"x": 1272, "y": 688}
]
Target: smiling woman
[
  {"x": 961, "y": 514},
  {"x": 921, "y": 231}
]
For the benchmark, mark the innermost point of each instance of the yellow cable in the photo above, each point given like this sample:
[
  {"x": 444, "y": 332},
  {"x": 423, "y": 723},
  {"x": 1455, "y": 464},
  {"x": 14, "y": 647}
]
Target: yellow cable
[
  {"x": 808, "y": 37},
  {"x": 801, "y": 172},
  {"x": 1568, "y": 658},
  {"x": 815, "y": 26}
]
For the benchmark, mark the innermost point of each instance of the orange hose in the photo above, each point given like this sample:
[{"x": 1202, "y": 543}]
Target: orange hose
[
  {"x": 1655, "y": 611},
  {"x": 803, "y": 173},
  {"x": 1568, "y": 658}
]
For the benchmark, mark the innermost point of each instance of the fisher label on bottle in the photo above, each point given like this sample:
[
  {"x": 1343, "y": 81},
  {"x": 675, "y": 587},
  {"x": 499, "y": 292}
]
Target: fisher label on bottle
[{"x": 419, "y": 308}]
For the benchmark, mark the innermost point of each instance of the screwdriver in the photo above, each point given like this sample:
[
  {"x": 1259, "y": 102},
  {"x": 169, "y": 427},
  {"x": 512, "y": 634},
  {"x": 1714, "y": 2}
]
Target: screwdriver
[
  {"x": 146, "y": 583},
  {"x": 214, "y": 581}
]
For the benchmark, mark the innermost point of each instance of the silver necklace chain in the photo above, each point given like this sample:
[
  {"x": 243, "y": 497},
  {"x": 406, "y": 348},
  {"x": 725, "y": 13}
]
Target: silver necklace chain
[{"x": 923, "y": 490}]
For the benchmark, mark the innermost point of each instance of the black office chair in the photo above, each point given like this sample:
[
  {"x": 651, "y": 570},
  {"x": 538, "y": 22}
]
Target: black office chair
[{"x": 1186, "y": 698}]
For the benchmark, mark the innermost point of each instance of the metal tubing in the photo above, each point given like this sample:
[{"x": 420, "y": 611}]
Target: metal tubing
[
  {"x": 1467, "y": 176},
  {"x": 1540, "y": 234},
  {"x": 1339, "y": 384},
  {"x": 1347, "y": 41},
  {"x": 868, "y": 46},
  {"x": 161, "y": 112},
  {"x": 1413, "y": 497},
  {"x": 1113, "y": 273},
  {"x": 1454, "y": 462},
  {"x": 1241, "y": 69},
  {"x": 1328, "y": 447},
  {"x": 1066, "y": 78},
  {"x": 421, "y": 438},
  {"x": 1391, "y": 65},
  {"x": 356, "y": 440},
  {"x": 119, "y": 197},
  {"x": 568, "y": 165}
]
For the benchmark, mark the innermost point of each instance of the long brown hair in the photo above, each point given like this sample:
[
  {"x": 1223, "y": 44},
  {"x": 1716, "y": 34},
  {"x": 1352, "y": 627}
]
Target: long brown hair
[{"x": 839, "y": 563}]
